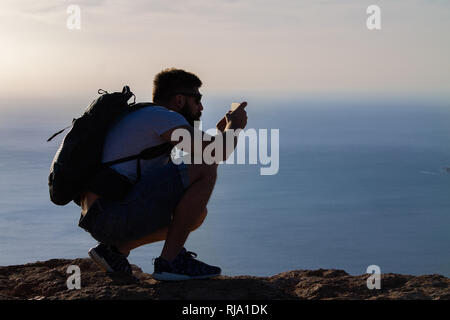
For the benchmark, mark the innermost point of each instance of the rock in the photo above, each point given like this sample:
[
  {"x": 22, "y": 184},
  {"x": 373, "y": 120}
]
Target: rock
[{"x": 47, "y": 281}]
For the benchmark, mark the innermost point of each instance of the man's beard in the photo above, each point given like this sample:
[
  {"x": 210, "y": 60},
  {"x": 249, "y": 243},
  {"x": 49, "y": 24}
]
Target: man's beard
[{"x": 190, "y": 118}]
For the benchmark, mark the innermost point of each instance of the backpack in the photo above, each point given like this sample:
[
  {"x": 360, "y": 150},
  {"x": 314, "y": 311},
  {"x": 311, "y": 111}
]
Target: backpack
[{"x": 77, "y": 166}]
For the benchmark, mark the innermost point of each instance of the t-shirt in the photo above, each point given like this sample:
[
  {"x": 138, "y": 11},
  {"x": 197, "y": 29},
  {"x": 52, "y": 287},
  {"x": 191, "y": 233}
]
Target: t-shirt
[{"x": 137, "y": 131}]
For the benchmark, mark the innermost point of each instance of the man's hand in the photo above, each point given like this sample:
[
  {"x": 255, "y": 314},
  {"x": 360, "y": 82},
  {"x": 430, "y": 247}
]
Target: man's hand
[
  {"x": 221, "y": 124},
  {"x": 236, "y": 119}
]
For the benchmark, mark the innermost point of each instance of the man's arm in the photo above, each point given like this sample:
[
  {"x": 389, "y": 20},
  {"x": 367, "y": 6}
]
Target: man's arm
[
  {"x": 177, "y": 136},
  {"x": 234, "y": 120}
]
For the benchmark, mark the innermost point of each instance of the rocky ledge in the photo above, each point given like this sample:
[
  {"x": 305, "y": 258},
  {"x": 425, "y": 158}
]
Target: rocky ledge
[{"x": 48, "y": 280}]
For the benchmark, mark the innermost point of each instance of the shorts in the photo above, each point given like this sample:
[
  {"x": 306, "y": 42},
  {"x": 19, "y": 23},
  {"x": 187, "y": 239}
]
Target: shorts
[{"x": 149, "y": 206}]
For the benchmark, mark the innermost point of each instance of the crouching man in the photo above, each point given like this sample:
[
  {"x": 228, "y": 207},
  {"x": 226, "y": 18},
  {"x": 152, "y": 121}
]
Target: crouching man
[{"x": 168, "y": 201}]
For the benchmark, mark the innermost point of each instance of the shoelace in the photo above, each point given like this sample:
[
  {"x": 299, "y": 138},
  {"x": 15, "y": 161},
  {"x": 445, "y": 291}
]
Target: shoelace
[
  {"x": 119, "y": 260},
  {"x": 191, "y": 254}
]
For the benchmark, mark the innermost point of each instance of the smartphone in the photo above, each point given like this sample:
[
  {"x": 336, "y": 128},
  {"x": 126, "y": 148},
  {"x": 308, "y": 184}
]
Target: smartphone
[{"x": 234, "y": 105}]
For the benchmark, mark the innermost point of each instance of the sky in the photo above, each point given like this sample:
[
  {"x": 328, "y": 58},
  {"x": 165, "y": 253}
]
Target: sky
[{"x": 282, "y": 46}]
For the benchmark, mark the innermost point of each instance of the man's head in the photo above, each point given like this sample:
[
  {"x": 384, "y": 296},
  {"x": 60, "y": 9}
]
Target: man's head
[{"x": 177, "y": 90}]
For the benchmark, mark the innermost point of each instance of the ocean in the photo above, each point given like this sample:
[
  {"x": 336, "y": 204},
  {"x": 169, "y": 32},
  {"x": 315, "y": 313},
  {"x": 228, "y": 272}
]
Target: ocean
[{"x": 359, "y": 183}]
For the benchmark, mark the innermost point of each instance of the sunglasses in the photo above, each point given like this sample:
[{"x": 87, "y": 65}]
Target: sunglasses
[{"x": 197, "y": 96}]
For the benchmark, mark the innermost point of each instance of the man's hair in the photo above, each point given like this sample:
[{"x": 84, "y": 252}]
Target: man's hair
[{"x": 170, "y": 81}]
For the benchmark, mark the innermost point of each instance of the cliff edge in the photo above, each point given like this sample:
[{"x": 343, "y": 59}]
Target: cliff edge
[{"x": 48, "y": 280}]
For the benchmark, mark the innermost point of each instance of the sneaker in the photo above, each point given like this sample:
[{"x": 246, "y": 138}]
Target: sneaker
[
  {"x": 110, "y": 259},
  {"x": 183, "y": 267}
]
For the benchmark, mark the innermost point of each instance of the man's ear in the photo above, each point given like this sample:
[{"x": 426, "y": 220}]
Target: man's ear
[{"x": 180, "y": 101}]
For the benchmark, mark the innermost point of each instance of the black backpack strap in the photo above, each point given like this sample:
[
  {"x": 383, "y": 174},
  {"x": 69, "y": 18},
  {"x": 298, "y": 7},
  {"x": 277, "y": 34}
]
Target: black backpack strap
[
  {"x": 146, "y": 154},
  {"x": 128, "y": 94},
  {"x": 61, "y": 131}
]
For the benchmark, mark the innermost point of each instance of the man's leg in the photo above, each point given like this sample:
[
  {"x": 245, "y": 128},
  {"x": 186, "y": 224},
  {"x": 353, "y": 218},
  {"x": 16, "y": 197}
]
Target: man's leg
[
  {"x": 158, "y": 235},
  {"x": 189, "y": 213}
]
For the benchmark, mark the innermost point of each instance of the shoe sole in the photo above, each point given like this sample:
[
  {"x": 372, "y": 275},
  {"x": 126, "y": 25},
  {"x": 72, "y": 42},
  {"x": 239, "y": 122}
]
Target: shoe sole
[
  {"x": 167, "y": 276},
  {"x": 100, "y": 261}
]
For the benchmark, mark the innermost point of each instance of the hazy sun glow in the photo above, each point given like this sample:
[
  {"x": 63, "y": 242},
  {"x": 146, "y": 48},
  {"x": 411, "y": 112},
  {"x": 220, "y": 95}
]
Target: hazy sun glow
[{"x": 260, "y": 45}]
